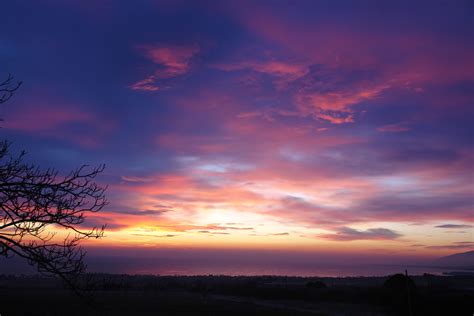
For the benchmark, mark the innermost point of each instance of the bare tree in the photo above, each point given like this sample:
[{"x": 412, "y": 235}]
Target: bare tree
[
  {"x": 7, "y": 88},
  {"x": 42, "y": 215}
]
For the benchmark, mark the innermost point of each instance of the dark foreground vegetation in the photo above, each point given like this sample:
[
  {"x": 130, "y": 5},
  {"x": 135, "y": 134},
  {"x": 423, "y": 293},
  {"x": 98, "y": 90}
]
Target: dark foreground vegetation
[{"x": 225, "y": 295}]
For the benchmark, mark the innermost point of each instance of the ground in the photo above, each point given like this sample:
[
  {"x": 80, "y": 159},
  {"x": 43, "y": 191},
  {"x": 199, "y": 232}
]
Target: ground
[{"x": 223, "y": 295}]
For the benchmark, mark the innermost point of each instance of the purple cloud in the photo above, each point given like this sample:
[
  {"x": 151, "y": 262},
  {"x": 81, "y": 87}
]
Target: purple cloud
[{"x": 348, "y": 234}]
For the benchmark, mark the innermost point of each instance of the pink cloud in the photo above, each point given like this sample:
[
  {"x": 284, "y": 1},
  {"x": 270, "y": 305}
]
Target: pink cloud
[
  {"x": 43, "y": 117},
  {"x": 283, "y": 72},
  {"x": 335, "y": 106},
  {"x": 54, "y": 118},
  {"x": 389, "y": 60},
  {"x": 147, "y": 84},
  {"x": 136, "y": 179},
  {"x": 332, "y": 198},
  {"x": 393, "y": 128},
  {"x": 171, "y": 62},
  {"x": 175, "y": 60}
]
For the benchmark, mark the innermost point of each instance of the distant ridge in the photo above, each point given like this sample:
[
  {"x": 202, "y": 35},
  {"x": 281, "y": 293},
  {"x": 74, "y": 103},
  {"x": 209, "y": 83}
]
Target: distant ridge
[{"x": 464, "y": 259}]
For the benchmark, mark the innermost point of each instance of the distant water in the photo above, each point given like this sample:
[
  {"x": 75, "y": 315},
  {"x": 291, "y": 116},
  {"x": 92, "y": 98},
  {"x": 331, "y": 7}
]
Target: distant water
[
  {"x": 162, "y": 267},
  {"x": 174, "y": 266}
]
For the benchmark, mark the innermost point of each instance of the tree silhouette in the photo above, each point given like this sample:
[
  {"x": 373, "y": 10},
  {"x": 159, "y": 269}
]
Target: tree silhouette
[
  {"x": 33, "y": 201},
  {"x": 7, "y": 88}
]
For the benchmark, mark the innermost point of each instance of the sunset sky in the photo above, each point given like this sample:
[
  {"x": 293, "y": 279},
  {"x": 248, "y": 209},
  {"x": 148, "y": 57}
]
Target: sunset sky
[{"x": 341, "y": 126}]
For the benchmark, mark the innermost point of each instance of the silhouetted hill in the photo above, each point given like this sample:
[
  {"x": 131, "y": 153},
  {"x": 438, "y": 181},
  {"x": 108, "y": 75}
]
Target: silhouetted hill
[{"x": 465, "y": 259}]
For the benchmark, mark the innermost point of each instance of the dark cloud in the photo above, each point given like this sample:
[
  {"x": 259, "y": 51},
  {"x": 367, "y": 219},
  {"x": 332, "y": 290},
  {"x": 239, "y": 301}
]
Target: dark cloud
[
  {"x": 463, "y": 245},
  {"x": 453, "y": 226},
  {"x": 130, "y": 211},
  {"x": 99, "y": 221},
  {"x": 211, "y": 228},
  {"x": 416, "y": 204},
  {"x": 348, "y": 234},
  {"x": 157, "y": 236},
  {"x": 212, "y": 232}
]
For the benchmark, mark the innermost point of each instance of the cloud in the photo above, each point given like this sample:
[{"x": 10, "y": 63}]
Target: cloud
[
  {"x": 156, "y": 236},
  {"x": 136, "y": 179},
  {"x": 147, "y": 84},
  {"x": 461, "y": 245},
  {"x": 279, "y": 234},
  {"x": 174, "y": 60},
  {"x": 453, "y": 226},
  {"x": 45, "y": 117},
  {"x": 211, "y": 228},
  {"x": 53, "y": 117},
  {"x": 393, "y": 128},
  {"x": 282, "y": 72},
  {"x": 212, "y": 232},
  {"x": 372, "y": 62},
  {"x": 298, "y": 210},
  {"x": 320, "y": 91},
  {"x": 296, "y": 122},
  {"x": 219, "y": 227},
  {"x": 330, "y": 94},
  {"x": 348, "y": 234},
  {"x": 416, "y": 204},
  {"x": 171, "y": 61},
  {"x": 143, "y": 212},
  {"x": 335, "y": 101},
  {"x": 97, "y": 221},
  {"x": 270, "y": 67},
  {"x": 266, "y": 235}
]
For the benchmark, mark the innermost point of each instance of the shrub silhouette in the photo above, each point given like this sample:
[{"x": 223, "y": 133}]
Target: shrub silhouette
[
  {"x": 402, "y": 293},
  {"x": 400, "y": 282},
  {"x": 316, "y": 285}
]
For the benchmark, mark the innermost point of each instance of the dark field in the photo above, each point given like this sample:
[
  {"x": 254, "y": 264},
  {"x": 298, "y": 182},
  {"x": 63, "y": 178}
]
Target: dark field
[{"x": 223, "y": 295}]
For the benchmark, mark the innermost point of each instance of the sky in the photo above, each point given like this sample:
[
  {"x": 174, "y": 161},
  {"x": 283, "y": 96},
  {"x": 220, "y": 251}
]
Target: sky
[{"x": 312, "y": 126}]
